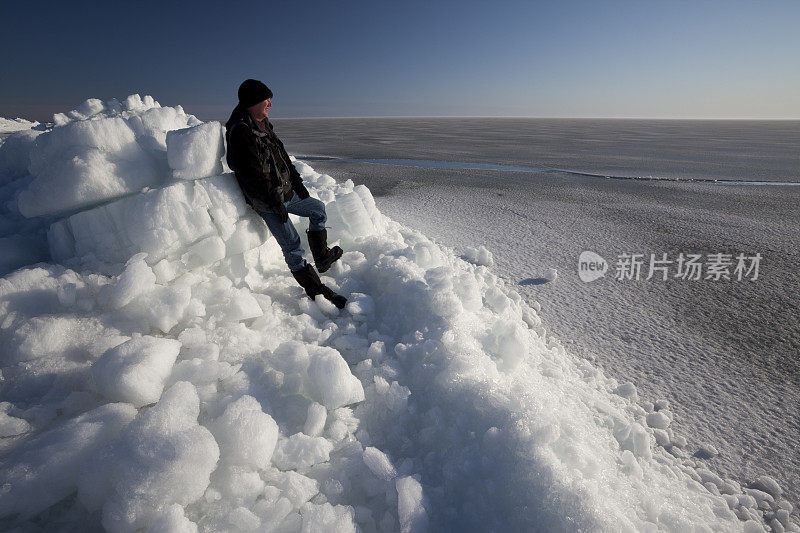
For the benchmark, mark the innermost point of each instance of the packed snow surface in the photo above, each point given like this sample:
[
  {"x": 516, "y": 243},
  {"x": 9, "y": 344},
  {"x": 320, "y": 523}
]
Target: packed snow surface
[{"x": 162, "y": 371}]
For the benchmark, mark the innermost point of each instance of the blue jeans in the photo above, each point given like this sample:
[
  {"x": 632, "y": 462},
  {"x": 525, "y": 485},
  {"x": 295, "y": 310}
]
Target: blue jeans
[{"x": 286, "y": 234}]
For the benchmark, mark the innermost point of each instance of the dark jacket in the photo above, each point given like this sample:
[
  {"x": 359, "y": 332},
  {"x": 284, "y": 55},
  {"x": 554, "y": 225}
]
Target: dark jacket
[{"x": 257, "y": 157}]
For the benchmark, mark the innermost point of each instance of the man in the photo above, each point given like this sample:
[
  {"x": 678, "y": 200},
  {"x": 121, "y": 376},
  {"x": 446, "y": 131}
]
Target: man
[{"x": 272, "y": 186}]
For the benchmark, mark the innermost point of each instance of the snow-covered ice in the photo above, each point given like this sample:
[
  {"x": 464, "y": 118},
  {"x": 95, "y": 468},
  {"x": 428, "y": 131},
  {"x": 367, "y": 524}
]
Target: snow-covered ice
[{"x": 161, "y": 370}]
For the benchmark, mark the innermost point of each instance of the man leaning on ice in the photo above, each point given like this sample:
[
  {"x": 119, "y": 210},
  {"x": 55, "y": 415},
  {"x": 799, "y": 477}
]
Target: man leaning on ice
[{"x": 272, "y": 186}]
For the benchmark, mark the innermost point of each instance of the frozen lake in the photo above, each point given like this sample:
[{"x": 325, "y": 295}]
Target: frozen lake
[
  {"x": 735, "y": 149},
  {"x": 724, "y": 353}
]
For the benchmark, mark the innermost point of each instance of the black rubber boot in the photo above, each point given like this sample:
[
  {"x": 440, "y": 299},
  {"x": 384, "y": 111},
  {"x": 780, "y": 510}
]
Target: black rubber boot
[
  {"x": 309, "y": 280},
  {"x": 324, "y": 257}
]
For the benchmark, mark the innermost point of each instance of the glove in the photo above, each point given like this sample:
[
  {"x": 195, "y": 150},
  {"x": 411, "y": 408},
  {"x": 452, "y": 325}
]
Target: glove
[{"x": 283, "y": 214}]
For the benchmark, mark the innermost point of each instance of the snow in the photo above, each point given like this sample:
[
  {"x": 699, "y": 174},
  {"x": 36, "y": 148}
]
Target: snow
[{"x": 161, "y": 370}]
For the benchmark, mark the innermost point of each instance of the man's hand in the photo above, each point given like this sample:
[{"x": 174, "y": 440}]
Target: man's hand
[
  {"x": 301, "y": 191},
  {"x": 283, "y": 214}
]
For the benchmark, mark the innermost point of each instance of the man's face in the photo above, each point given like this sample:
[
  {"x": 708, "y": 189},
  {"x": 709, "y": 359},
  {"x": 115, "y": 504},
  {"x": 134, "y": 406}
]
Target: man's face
[{"x": 260, "y": 111}]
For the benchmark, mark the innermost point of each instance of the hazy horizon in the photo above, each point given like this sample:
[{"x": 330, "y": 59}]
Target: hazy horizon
[{"x": 47, "y": 118}]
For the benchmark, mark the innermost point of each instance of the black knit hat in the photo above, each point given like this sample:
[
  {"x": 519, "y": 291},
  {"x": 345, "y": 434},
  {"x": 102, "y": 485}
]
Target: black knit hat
[{"x": 252, "y": 92}]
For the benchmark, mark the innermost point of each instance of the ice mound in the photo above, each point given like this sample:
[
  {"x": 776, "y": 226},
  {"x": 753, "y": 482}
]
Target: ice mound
[
  {"x": 96, "y": 153},
  {"x": 166, "y": 373}
]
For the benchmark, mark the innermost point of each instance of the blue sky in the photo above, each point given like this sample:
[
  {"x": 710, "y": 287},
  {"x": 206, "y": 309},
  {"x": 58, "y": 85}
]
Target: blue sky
[{"x": 714, "y": 59}]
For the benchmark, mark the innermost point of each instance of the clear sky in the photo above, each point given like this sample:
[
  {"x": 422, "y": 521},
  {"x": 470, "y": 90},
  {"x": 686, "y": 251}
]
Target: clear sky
[{"x": 663, "y": 59}]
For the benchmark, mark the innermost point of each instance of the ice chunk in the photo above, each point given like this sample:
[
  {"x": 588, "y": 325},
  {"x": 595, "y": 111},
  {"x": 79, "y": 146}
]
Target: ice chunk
[
  {"x": 332, "y": 383},
  {"x": 135, "y": 102},
  {"x": 173, "y": 520},
  {"x": 248, "y": 233},
  {"x": 163, "y": 457},
  {"x": 365, "y": 194},
  {"x": 378, "y": 463},
  {"x": 52, "y": 336},
  {"x": 768, "y": 485},
  {"x": 246, "y": 435},
  {"x": 228, "y": 303},
  {"x": 195, "y": 152},
  {"x": 641, "y": 442},
  {"x": 496, "y": 300},
  {"x": 301, "y": 451},
  {"x": 661, "y": 404},
  {"x": 633, "y": 437},
  {"x": 164, "y": 307},
  {"x": 151, "y": 127},
  {"x": 162, "y": 223},
  {"x": 360, "y": 304},
  {"x": 17, "y": 124},
  {"x": 241, "y": 485},
  {"x": 353, "y": 214},
  {"x": 67, "y": 294},
  {"x": 326, "y": 517},
  {"x": 45, "y": 470},
  {"x": 243, "y": 519},
  {"x": 136, "y": 370},
  {"x": 627, "y": 390},
  {"x": 707, "y": 451},
  {"x": 87, "y": 109},
  {"x": 15, "y": 155},
  {"x": 208, "y": 251},
  {"x": 290, "y": 357},
  {"x": 410, "y": 509},
  {"x": 135, "y": 280},
  {"x": 479, "y": 256},
  {"x": 658, "y": 419},
  {"x": 296, "y": 487},
  {"x": 509, "y": 342},
  {"x": 315, "y": 420},
  {"x": 662, "y": 437}
]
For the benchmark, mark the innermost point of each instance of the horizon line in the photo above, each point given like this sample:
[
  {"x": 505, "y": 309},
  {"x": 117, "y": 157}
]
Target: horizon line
[{"x": 759, "y": 119}]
